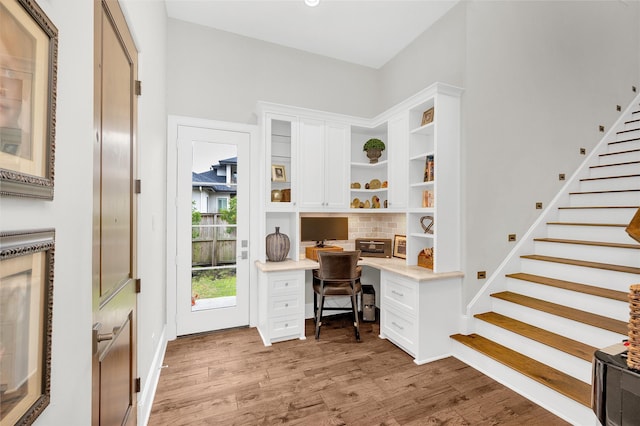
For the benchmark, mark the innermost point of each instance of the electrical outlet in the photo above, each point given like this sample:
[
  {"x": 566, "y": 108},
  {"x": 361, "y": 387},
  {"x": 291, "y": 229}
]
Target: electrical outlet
[
  {"x": 561, "y": 176},
  {"x": 583, "y": 151},
  {"x": 482, "y": 275},
  {"x": 601, "y": 128},
  {"x": 618, "y": 108},
  {"x": 538, "y": 206},
  {"x": 512, "y": 237}
]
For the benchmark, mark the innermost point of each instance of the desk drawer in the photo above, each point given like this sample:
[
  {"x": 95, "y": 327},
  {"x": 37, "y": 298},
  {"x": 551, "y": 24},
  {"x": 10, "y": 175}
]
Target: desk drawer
[
  {"x": 400, "y": 329},
  {"x": 285, "y": 305},
  {"x": 289, "y": 325},
  {"x": 401, "y": 294},
  {"x": 283, "y": 284}
]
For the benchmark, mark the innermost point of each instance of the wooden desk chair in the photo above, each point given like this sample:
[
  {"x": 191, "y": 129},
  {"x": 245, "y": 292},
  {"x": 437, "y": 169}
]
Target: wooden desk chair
[{"x": 337, "y": 275}]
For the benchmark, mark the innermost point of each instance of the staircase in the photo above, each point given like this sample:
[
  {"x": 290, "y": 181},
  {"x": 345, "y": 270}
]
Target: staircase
[{"x": 562, "y": 292}]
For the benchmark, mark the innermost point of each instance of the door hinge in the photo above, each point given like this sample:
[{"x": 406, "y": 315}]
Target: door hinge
[
  {"x": 138, "y": 280},
  {"x": 138, "y": 186},
  {"x": 138, "y": 88},
  {"x": 137, "y": 384}
]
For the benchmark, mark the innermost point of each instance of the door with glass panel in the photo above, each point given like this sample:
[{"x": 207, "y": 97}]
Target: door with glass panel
[{"x": 212, "y": 230}]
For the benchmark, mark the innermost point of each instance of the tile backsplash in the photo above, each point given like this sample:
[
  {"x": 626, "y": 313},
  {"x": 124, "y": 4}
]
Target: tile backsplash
[{"x": 374, "y": 225}]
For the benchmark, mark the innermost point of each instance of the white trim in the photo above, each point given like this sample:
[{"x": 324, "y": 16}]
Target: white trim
[
  {"x": 173, "y": 123},
  {"x": 148, "y": 391}
]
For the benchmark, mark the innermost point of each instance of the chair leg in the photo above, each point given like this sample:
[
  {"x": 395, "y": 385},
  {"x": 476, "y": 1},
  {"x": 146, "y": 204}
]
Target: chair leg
[
  {"x": 356, "y": 321},
  {"x": 319, "y": 317},
  {"x": 315, "y": 307}
]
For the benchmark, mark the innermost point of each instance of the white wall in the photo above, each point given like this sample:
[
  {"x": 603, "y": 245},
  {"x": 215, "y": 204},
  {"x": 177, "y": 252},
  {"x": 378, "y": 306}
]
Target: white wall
[
  {"x": 70, "y": 213},
  {"x": 539, "y": 78},
  {"x": 218, "y": 75}
]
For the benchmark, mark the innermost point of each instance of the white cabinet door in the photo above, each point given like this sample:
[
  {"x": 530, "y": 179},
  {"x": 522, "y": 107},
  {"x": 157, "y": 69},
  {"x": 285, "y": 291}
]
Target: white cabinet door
[
  {"x": 337, "y": 166},
  {"x": 324, "y": 164},
  {"x": 312, "y": 148},
  {"x": 398, "y": 155},
  {"x": 281, "y": 139}
]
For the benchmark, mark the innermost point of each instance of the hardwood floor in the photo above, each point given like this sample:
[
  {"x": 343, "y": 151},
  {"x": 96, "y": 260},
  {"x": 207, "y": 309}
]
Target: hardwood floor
[{"x": 231, "y": 378}]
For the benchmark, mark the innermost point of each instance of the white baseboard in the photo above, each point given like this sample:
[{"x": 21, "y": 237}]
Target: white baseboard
[{"x": 148, "y": 391}]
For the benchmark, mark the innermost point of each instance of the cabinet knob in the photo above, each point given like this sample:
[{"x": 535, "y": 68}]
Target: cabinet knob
[
  {"x": 286, "y": 325},
  {"x": 286, "y": 305},
  {"x": 286, "y": 284}
]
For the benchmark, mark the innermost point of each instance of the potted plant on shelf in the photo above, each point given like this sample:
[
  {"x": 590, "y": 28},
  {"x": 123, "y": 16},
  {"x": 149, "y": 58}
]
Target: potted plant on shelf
[{"x": 374, "y": 148}]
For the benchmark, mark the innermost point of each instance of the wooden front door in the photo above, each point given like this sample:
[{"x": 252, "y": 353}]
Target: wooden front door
[{"x": 114, "y": 219}]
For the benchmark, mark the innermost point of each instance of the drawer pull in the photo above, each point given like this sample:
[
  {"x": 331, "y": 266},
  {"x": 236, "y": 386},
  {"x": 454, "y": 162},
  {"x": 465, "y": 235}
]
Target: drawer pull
[
  {"x": 286, "y": 305},
  {"x": 286, "y": 325},
  {"x": 397, "y": 294},
  {"x": 286, "y": 284},
  {"x": 397, "y": 325}
]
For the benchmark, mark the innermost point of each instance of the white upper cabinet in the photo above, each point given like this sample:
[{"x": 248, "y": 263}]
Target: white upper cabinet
[
  {"x": 281, "y": 146},
  {"x": 324, "y": 159}
]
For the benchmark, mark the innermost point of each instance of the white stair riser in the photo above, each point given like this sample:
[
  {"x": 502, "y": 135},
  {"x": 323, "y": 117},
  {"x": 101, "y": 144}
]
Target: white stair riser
[
  {"x": 624, "y": 198},
  {"x": 633, "y": 132},
  {"x": 631, "y": 124},
  {"x": 618, "y": 183},
  {"x": 611, "y": 234},
  {"x": 596, "y": 305},
  {"x": 568, "y": 409},
  {"x": 569, "y": 364},
  {"x": 628, "y": 145},
  {"x": 591, "y": 276},
  {"x": 612, "y": 215},
  {"x": 593, "y": 336},
  {"x": 611, "y": 255},
  {"x": 615, "y": 170},
  {"x": 622, "y": 157}
]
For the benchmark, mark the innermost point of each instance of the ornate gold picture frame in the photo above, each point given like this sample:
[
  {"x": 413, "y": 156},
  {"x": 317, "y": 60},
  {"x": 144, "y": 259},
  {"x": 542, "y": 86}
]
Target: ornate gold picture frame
[
  {"x": 28, "y": 77},
  {"x": 26, "y": 311}
]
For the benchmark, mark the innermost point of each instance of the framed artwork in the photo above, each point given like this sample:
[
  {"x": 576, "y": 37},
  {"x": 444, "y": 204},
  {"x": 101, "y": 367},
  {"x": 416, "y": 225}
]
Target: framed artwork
[
  {"x": 427, "y": 116},
  {"x": 278, "y": 174},
  {"x": 28, "y": 76},
  {"x": 26, "y": 309},
  {"x": 400, "y": 246}
]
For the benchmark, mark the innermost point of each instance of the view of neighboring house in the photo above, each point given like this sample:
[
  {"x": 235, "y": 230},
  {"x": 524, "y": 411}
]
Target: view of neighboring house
[{"x": 212, "y": 190}]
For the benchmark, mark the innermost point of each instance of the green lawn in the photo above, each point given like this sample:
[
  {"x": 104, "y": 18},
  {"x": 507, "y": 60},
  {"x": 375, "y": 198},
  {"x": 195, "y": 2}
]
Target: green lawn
[{"x": 216, "y": 283}]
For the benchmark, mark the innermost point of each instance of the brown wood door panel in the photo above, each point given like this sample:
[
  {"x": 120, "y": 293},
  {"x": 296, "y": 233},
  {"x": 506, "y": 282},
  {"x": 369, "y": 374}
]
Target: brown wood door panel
[{"x": 114, "y": 219}]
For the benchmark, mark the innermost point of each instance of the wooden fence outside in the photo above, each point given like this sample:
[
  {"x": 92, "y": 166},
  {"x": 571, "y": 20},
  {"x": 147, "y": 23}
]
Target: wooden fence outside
[{"x": 213, "y": 242}]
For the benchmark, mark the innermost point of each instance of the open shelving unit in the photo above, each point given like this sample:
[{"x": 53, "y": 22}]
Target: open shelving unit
[
  {"x": 363, "y": 171},
  {"x": 434, "y": 180}
]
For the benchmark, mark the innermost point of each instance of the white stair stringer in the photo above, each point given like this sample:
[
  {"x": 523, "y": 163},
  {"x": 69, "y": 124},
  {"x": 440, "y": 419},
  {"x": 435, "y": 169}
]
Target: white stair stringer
[
  {"x": 563, "y": 407},
  {"x": 589, "y": 215}
]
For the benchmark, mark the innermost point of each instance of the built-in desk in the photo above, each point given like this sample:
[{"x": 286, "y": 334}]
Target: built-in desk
[{"x": 419, "y": 309}]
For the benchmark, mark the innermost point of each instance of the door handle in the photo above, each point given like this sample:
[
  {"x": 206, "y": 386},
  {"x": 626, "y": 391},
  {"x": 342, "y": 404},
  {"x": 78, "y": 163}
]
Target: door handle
[{"x": 98, "y": 337}]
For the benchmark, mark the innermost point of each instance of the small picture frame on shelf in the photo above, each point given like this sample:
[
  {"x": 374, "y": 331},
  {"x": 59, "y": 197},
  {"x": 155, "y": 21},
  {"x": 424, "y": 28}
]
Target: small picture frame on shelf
[
  {"x": 278, "y": 173},
  {"x": 400, "y": 246},
  {"x": 427, "y": 117}
]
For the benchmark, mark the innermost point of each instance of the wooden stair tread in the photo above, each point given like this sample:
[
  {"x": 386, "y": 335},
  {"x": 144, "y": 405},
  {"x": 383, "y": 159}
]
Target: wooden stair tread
[
  {"x": 623, "y": 141},
  {"x": 597, "y": 207},
  {"x": 572, "y": 286},
  {"x": 620, "y": 225},
  {"x": 561, "y": 343},
  {"x": 584, "y": 263},
  {"x": 588, "y": 243},
  {"x": 573, "y": 314},
  {"x": 619, "y": 152},
  {"x": 613, "y": 191},
  {"x": 554, "y": 379},
  {"x": 615, "y": 164},
  {"x": 608, "y": 177}
]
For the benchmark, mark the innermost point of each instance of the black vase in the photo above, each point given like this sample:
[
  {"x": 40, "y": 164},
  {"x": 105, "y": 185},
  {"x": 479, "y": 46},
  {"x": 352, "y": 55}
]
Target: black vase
[{"x": 277, "y": 246}]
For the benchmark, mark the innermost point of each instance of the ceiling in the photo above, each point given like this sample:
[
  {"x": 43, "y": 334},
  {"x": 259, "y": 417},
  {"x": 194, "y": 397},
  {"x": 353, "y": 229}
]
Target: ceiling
[{"x": 364, "y": 32}]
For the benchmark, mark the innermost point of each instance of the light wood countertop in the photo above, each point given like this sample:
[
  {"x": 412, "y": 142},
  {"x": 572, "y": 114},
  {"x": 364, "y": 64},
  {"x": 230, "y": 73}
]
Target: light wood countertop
[{"x": 395, "y": 265}]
